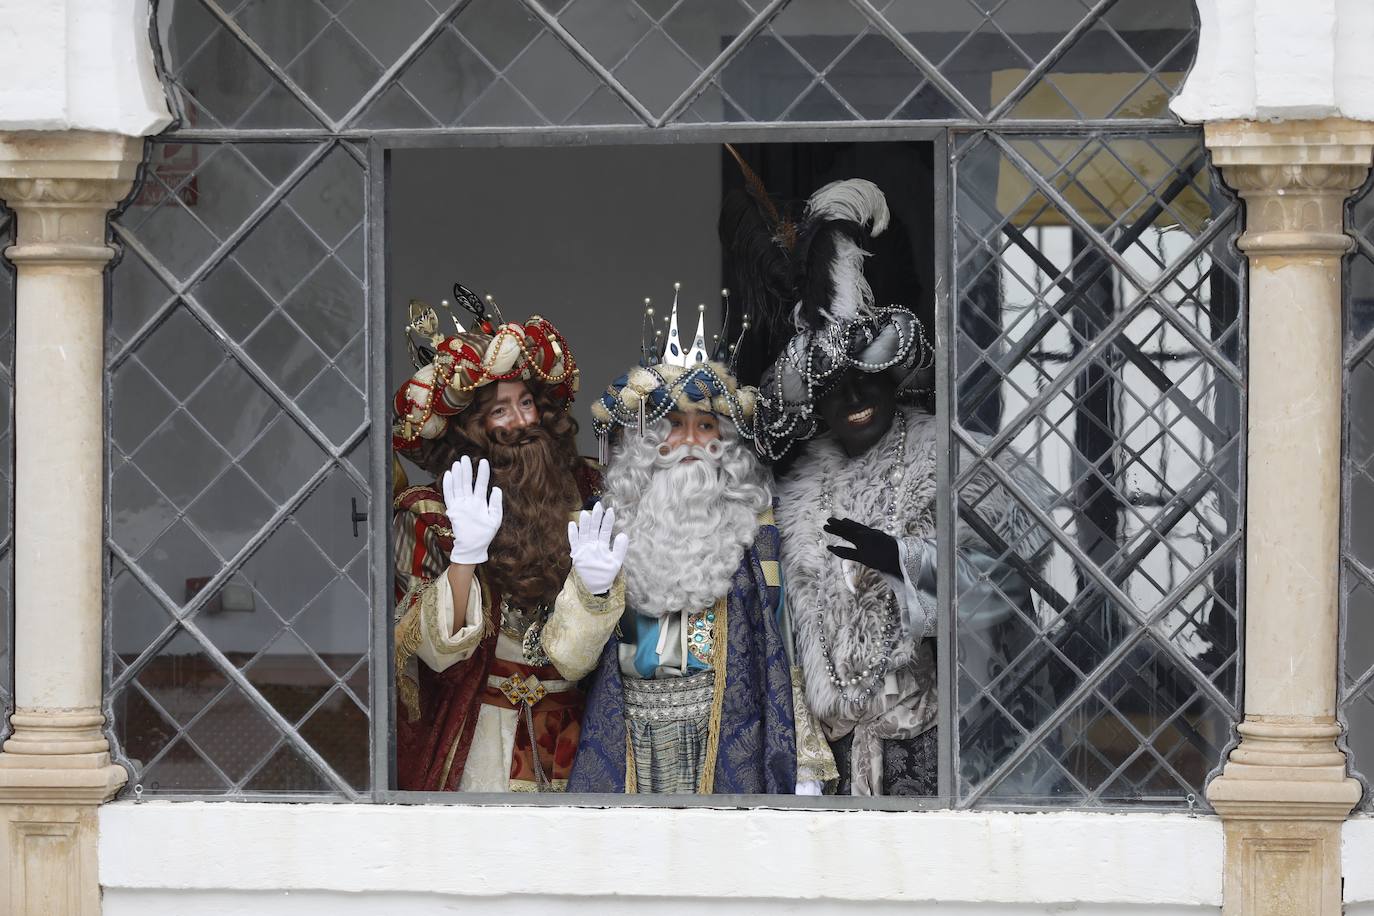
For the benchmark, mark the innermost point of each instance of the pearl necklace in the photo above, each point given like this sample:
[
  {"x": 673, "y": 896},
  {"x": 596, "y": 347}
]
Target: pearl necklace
[{"x": 868, "y": 679}]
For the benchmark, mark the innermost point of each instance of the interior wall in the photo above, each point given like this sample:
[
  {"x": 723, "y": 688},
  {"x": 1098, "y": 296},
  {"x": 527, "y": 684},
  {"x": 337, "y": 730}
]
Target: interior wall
[{"x": 608, "y": 226}]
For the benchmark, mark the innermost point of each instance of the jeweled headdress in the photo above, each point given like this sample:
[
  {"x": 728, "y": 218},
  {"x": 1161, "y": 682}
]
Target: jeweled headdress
[
  {"x": 450, "y": 367},
  {"x": 834, "y": 322},
  {"x": 678, "y": 378}
]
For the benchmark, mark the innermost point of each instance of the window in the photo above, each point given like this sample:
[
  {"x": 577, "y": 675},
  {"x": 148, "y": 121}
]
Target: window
[
  {"x": 6, "y": 471},
  {"x": 1356, "y": 702},
  {"x": 1083, "y": 272}
]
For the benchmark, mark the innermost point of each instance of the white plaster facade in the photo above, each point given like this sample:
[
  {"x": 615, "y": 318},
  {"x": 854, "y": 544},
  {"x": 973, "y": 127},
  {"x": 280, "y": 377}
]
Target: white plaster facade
[{"x": 87, "y": 65}]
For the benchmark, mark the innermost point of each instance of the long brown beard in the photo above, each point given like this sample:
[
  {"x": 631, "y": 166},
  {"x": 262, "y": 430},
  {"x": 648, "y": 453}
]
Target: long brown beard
[{"x": 528, "y": 560}]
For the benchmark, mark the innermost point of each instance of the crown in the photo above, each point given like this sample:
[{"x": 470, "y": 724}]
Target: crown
[{"x": 674, "y": 352}]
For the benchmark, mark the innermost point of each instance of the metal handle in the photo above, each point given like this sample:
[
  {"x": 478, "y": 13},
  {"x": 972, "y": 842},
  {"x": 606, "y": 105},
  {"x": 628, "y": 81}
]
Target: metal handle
[{"x": 357, "y": 516}]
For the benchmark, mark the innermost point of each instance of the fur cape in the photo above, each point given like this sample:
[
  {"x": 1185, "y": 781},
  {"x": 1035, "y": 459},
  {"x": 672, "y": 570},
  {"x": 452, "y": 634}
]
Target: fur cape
[{"x": 818, "y": 598}]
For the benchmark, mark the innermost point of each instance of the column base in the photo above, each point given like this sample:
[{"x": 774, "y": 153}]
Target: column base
[
  {"x": 55, "y": 771},
  {"x": 1283, "y": 797}
]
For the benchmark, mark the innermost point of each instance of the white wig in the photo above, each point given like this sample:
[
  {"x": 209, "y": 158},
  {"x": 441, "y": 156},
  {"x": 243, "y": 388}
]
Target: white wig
[{"x": 689, "y": 522}]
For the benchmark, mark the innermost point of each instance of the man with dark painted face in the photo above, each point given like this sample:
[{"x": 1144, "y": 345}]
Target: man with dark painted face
[{"x": 857, "y": 508}]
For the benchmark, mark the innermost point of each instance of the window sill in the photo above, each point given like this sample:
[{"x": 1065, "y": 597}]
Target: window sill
[{"x": 571, "y": 853}]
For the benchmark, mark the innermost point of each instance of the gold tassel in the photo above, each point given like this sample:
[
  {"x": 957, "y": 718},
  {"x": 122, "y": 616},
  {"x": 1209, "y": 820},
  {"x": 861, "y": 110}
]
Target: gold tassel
[{"x": 719, "y": 657}]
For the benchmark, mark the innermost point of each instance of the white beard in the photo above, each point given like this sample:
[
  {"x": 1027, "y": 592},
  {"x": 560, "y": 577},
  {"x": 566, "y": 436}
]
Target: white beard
[{"x": 688, "y": 523}]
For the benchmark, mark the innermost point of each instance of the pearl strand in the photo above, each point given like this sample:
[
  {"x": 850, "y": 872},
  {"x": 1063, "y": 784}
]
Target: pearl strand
[{"x": 871, "y": 677}]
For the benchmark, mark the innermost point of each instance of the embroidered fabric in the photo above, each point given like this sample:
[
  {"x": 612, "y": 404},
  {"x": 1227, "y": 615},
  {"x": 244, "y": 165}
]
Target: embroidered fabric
[
  {"x": 669, "y": 724},
  {"x": 815, "y": 761},
  {"x": 669, "y": 699}
]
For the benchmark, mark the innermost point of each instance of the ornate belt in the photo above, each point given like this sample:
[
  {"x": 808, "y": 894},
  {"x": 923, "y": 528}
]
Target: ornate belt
[
  {"x": 669, "y": 699},
  {"x": 521, "y": 692}
]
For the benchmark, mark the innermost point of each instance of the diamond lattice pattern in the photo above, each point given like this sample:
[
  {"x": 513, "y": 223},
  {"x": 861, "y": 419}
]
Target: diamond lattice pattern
[
  {"x": 1356, "y": 699},
  {"x": 430, "y": 64},
  {"x": 6, "y": 477},
  {"x": 237, "y": 589},
  {"x": 1098, "y": 387},
  {"x": 239, "y": 582}
]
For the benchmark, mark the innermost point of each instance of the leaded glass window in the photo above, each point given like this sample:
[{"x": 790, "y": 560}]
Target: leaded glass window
[
  {"x": 1356, "y": 679},
  {"x": 7, "y": 475},
  {"x": 1085, "y": 279}
]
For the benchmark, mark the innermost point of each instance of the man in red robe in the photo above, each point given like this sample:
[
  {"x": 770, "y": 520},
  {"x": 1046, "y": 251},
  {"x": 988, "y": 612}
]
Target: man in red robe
[{"x": 479, "y": 706}]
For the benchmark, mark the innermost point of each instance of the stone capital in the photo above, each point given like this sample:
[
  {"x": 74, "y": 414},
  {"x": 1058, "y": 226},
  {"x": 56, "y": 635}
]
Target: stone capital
[
  {"x": 1294, "y": 177},
  {"x": 62, "y": 185}
]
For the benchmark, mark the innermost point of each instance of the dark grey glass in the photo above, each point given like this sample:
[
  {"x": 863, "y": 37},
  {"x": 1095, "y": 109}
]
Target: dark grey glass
[
  {"x": 235, "y": 608},
  {"x": 1099, "y": 383},
  {"x": 6, "y": 476},
  {"x": 1356, "y": 683}
]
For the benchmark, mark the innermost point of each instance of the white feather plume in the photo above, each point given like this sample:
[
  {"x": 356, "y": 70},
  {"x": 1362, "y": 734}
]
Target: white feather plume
[
  {"x": 853, "y": 295},
  {"x": 856, "y": 199}
]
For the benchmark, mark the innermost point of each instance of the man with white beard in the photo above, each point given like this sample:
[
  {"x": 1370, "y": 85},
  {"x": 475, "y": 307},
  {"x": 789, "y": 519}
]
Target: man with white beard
[{"x": 688, "y": 650}]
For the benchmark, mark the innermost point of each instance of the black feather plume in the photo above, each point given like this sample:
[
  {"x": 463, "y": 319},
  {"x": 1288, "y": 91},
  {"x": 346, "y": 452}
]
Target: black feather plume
[{"x": 757, "y": 263}]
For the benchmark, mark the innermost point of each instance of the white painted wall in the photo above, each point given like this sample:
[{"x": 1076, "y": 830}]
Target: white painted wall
[
  {"x": 1357, "y": 864},
  {"x": 163, "y": 903},
  {"x": 79, "y": 65},
  {"x": 1279, "y": 59},
  {"x": 160, "y": 857}
]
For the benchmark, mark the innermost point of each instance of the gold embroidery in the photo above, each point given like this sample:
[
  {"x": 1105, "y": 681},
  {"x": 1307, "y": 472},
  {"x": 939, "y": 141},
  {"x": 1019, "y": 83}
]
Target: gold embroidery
[
  {"x": 448, "y": 758},
  {"x": 529, "y": 785},
  {"x": 708, "y": 767},
  {"x": 631, "y": 780},
  {"x": 407, "y": 644},
  {"x": 815, "y": 760},
  {"x": 423, "y": 505},
  {"x": 599, "y": 604},
  {"x": 429, "y": 613}
]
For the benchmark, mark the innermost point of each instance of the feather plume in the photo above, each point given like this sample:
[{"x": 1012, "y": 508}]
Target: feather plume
[
  {"x": 856, "y": 200},
  {"x": 829, "y": 257},
  {"x": 760, "y": 273},
  {"x": 782, "y": 230}
]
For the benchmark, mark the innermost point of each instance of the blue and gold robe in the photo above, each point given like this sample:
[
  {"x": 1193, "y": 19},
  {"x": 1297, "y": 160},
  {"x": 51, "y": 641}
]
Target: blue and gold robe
[{"x": 751, "y": 748}]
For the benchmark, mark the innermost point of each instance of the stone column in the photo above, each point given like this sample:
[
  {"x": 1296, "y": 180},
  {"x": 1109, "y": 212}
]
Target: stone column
[
  {"x": 55, "y": 768},
  {"x": 1284, "y": 791}
]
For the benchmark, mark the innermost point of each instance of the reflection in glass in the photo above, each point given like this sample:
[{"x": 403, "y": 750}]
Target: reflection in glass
[{"x": 1116, "y": 680}]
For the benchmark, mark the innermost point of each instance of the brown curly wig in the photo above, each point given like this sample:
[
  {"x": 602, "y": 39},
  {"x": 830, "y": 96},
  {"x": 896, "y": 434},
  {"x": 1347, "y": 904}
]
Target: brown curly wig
[{"x": 535, "y": 468}]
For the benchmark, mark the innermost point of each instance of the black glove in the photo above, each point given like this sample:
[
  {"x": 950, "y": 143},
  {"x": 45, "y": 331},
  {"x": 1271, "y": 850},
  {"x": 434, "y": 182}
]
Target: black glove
[{"x": 872, "y": 547}]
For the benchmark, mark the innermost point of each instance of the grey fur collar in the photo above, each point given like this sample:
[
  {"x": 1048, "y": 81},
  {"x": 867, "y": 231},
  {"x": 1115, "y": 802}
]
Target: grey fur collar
[
  {"x": 813, "y": 578},
  {"x": 852, "y": 623}
]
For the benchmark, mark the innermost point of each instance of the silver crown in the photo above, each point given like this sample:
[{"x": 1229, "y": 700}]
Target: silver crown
[{"x": 674, "y": 353}]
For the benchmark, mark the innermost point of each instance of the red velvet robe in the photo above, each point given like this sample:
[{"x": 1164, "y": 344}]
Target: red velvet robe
[{"x": 432, "y": 747}]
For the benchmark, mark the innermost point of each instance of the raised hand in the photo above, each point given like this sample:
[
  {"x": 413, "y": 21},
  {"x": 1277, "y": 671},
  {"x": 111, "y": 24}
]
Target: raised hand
[
  {"x": 473, "y": 515},
  {"x": 872, "y": 547},
  {"x": 595, "y": 558}
]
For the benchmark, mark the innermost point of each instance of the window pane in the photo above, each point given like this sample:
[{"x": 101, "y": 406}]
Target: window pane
[
  {"x": 1357, "y": 540},
  {"x": 1098, "y": 399},
  {"x": 6, "y": 476},
  {"x": 238, "y": 610},
  {"x": 425, "y": 64}
]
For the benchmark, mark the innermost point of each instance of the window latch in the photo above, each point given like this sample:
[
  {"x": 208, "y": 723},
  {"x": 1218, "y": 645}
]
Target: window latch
[{"x": 357, "y": 516}]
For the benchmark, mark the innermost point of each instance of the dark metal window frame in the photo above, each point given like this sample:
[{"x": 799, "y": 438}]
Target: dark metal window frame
[
  {"x": 1353, "y": 573},
  {"x": 944, "y": 140},
  {"x": 371, "y": 148}
]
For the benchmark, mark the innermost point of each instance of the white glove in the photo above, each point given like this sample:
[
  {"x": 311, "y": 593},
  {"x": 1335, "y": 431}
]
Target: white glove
[
  {"x": 595, "y": 558},
  {"x": 473, "y": 517},
  {"x": 809, "y": 787}
]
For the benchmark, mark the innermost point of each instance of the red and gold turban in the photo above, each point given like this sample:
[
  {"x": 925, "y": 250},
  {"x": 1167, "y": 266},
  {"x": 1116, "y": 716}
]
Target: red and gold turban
[{"x": 468, "y": 360}]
